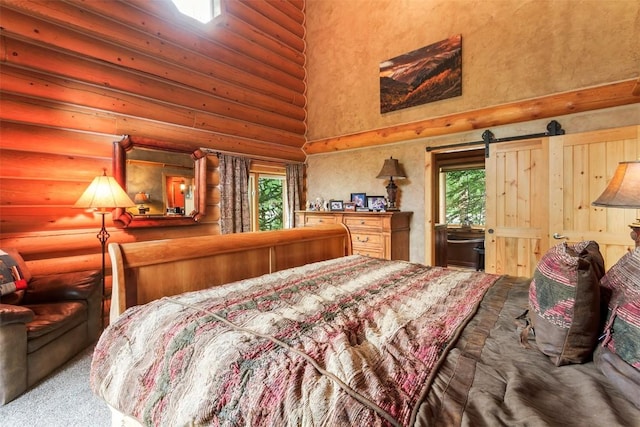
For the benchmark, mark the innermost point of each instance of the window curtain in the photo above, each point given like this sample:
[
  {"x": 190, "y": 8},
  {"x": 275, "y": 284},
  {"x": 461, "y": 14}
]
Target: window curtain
[
  {"x": 295, "y": 191},
  {"x": 234, "y": 200}
]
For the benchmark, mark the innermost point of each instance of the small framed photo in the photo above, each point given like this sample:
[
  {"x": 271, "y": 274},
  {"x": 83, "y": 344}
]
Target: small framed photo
[
  {"x": 350, "y": 206},
  {"x": 336, "y": 205},
  {"x": 376, "y": 203},
  {"x": 360, "y": 199}
]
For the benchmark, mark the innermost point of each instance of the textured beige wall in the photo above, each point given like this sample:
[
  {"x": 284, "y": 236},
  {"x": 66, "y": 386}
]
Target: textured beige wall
[
  {"x": 337, "y": 175},
  {"x": 511, "y": 50}
]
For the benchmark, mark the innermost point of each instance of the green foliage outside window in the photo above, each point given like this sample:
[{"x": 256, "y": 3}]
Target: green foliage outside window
[
  {"x": 270, "y": 204},
  {"x": 465, "y": 197}
]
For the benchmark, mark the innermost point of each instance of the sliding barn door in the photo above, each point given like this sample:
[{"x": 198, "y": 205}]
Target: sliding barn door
[
  {"x": 581, "y": 166},
  {"x": 517, "y": 218}
]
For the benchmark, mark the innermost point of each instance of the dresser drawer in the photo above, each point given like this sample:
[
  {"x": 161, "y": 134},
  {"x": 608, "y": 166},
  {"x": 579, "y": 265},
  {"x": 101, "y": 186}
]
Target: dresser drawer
[
  {"x": 366, "y": 240},
  {"x": 376, "y": 234},
  {"x": 320, "y": 219},
  {"x": 356, "y": 222},
  {"x": 367, "y": 252}
]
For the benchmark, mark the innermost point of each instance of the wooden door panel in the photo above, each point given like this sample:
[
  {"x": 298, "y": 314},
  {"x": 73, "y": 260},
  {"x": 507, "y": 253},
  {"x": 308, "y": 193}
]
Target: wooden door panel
[
  {"x": 582, "y": 166},
  {"x": 517, "y": 196}
]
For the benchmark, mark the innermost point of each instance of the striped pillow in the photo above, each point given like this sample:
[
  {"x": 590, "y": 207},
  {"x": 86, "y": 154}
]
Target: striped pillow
[
  {"x": 618, "y": 356},
  {"x": 564, "y": 302}
]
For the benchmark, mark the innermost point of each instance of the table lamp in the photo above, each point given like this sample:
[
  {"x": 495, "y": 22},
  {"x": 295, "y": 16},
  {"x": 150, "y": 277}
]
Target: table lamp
[
  {"x": 623, "y": 191},
  {"x": 391, "y": 168}
]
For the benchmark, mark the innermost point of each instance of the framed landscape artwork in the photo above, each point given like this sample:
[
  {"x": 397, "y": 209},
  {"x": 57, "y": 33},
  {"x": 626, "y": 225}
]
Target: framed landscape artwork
[{"x": 428, "y": 74}]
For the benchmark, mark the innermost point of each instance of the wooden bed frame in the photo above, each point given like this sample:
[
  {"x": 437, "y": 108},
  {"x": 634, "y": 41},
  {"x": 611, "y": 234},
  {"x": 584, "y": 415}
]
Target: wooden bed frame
[{"x": 146, "y": 271}]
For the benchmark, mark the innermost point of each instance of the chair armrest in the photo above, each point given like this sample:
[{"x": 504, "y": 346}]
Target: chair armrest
[
  {"x": 77, "y": 285},
  {"x": 14, "y": 314}
]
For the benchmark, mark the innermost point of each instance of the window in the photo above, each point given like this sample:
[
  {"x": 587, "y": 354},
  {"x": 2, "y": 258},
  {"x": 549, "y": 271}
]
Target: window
[
  {"x": 465, "y": 196},
  {"x": 461, "y": 188},
  {"x": 200, "y": 10},
  {"x": 268, "y": 198}
]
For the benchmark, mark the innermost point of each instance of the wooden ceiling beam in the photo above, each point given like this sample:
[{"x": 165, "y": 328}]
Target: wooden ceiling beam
[{"x": 577, "y": 101}]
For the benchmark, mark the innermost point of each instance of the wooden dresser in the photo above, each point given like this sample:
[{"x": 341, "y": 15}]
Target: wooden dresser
[{"x": 377, "y": 234}]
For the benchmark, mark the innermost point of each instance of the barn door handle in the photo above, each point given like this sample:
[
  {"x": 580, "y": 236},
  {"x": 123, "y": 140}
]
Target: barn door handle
[{"x": 559, "y": 236}]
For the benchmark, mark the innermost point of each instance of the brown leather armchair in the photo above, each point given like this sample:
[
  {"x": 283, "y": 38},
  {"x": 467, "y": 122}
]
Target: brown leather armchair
[{"x": 45, "y": 325}]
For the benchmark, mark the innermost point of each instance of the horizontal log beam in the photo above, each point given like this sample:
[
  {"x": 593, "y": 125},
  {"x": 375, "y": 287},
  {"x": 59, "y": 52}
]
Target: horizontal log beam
[
  {"x": 246, "y": 12},
  {"x": 266, "y": 8},
  {"x": 183, "y": 69},
  {"x": 292, "y": 10},
  {"x": 22, "y": 137},
  {"x": 231, "y": 25},
  {"x": 577, "y": 101},
  {"x": 56, "y": 89},
  {"x": 45, "y": 113},
  {"x": 255, "y": 109},
  {"x": 167, "y": 33}
]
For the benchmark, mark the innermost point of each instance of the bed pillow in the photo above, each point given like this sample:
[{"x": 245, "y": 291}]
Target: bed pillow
[
  {"x": 564, "y": 302},
  {"x": 618, "y": 355},
  {"x": 14, "y": 276}
]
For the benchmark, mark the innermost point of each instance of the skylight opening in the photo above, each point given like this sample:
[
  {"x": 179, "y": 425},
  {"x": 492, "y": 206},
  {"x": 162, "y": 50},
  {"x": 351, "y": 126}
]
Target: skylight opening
[{"x": 200, "y": 10}]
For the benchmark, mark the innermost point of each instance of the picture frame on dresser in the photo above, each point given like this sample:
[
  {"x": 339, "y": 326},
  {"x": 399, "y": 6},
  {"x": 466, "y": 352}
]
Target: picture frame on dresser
[
  {"x": 360, "y": 199},
  {"x": 336, "y": 205},
  {"x": 349, "y": 206},
  {"x": 376, "y": 203}
]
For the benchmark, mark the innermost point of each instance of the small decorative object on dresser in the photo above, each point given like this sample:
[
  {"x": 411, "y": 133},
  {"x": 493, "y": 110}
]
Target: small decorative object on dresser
[
  {"x": 360, "y": 199},
  {"x": 336, "y": 205},
  {"x": 376, "y": 203},
  {"x": 349, "y": 206}
]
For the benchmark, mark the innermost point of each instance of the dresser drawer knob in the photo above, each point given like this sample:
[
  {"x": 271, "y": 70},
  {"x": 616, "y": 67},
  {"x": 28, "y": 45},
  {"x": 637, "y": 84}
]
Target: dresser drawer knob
[
  {"x": 363, "y": 240},
  {"x": 361, "y": 222}
]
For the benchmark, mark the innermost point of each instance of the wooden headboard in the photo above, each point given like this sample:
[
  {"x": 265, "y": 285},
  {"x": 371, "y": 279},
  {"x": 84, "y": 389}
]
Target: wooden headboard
[{"x": 146, "y": 271}]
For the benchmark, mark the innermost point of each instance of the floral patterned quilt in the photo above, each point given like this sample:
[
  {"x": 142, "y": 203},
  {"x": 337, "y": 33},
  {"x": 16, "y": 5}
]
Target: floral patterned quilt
[{"x": 347, "y": 342}]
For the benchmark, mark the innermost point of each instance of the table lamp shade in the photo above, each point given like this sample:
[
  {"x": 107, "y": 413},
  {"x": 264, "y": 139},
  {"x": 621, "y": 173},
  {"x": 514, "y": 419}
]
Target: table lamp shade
[
  {"x": 104, "y": 192},
  {"x": 141, "y": 198},
  {"x": 623, "y": 190},
  {"x": 391, "y": 169}
]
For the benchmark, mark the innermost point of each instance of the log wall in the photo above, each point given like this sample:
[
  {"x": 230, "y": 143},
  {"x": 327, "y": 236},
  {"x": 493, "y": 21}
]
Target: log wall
[{"x": 75, "y": 76}]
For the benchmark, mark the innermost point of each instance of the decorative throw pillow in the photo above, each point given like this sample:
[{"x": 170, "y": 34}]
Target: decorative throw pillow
[
  {"x": 618, "y": 355},
  {"x": 12, "y": 276},
  {"x": 564, "y": 302}
]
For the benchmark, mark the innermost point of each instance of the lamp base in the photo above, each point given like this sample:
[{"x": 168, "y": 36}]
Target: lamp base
[{"x": 392, "y": 191}]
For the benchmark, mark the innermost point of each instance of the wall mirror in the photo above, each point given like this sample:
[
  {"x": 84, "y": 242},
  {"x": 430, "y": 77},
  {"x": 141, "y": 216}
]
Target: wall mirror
[{"x": 167, "y": 185}]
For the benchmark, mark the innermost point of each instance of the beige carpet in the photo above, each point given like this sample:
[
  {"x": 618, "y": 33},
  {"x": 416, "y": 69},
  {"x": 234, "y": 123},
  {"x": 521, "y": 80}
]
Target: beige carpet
[{"x": 64, "y": 399}]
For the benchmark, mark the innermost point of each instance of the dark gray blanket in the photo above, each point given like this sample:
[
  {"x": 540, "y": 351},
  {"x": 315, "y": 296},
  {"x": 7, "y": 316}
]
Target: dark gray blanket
[{"x": 489, "y": 379}]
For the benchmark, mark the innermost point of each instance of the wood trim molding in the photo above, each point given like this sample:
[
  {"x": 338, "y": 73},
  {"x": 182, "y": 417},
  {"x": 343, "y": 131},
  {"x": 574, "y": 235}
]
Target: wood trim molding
[
  {"x": 636, "y": 89},
  {"x": 577, "y": 101}
]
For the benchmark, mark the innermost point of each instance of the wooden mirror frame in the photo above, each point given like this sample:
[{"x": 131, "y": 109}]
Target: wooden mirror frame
[{"x": 124, "y": 219}]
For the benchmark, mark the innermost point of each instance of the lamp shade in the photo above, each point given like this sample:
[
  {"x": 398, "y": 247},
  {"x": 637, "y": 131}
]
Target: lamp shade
[
  {"x": 623, "y": 190},
  {"x": 390, "y": 169},
  {"x": 141, "y": 198},
  {"x": 103, "y": 193}
]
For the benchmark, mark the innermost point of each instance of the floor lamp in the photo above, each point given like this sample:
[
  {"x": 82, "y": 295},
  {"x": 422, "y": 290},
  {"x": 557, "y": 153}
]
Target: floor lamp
[
  {"x": 623, "y": 191},
  {"x": 103, "y": 195}
]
